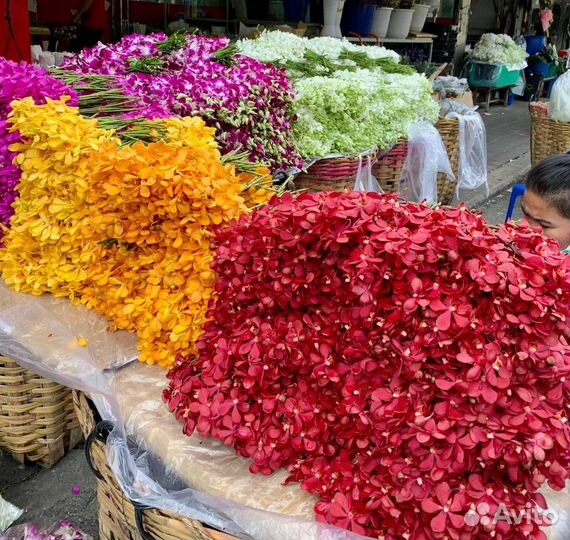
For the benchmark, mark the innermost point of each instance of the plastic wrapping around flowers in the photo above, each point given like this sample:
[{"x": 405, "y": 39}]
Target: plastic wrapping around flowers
[{"x": 512, "y": 286}]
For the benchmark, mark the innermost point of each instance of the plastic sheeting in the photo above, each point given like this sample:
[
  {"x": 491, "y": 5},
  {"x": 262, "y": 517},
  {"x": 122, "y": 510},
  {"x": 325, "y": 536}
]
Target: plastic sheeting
[
  {"x": 155, "y": 463},
  {"x": 8, "y": 514},
  {"x": 365, "y": 181},
  {"x": 427, "y": 157},
  {"x": 472, "y": 146},
  {"x": 560, "y": 99},
  {"x": 47, "y": 334}
]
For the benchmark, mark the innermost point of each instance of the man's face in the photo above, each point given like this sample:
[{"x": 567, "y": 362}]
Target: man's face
[{"x": 540, "y": 213}]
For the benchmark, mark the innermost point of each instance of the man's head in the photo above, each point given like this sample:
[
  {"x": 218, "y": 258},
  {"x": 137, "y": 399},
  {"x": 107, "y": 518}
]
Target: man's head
[{"x": 546, "y": 202}]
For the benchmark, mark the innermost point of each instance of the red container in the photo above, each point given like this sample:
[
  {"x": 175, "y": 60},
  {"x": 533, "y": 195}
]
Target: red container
[{"x": 215, "y": 12}]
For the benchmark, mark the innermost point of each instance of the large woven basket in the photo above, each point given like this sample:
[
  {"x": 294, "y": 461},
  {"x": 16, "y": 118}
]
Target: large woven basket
[
  {"x": 119, "y": 518},
  {"x": 389, "y": 166},
  {"x": 449, "y": 131},
  {"x": 333, "y": 174},
  {"x": 547, "y": 137},
  {"x": 37, "y": 418}
]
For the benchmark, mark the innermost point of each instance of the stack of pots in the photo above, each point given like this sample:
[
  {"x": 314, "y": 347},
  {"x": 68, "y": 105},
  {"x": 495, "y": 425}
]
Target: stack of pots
[{"x": 393, "y": 19}]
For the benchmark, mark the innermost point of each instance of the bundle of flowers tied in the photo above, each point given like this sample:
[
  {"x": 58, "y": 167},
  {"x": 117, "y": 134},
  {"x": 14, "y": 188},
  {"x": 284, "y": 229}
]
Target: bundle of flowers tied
[
  {"x": 17, "y": 81},
  {"x": 404, "y": 364},
  {"x": 123, "y": 225},
  {"x": 248, "y": 103},
  {"x": 349, "y": 98}
]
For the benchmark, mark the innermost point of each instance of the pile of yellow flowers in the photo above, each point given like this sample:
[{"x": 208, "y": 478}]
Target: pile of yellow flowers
[
  {"x": 42, "y": 249},
  {"x": 125, "y": 230}
]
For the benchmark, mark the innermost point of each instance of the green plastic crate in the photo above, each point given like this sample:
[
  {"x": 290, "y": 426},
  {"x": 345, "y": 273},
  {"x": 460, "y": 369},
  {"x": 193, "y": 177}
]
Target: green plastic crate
[
  {"x": 484, "y": 75},
  {"x": 552, "y": 70}
]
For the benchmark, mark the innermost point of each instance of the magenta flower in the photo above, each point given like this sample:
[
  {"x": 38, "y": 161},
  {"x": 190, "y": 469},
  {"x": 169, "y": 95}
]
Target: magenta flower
[{"x": 249, "y": 103}]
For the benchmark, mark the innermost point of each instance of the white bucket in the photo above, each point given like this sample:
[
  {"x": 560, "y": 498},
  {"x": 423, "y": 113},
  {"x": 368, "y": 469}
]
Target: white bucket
[
  {"x": 400, "y": 23},
  {"x": 381, "y": 21},
  {"x": 419, "y": 18}
]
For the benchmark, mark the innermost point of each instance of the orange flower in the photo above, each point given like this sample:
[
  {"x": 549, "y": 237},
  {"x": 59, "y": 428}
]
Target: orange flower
[{"x": 131, "y": 236}]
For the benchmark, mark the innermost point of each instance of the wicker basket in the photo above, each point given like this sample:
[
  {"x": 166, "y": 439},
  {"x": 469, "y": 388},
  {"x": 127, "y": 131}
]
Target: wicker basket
[
  {"x": 37, "y": 418},
  {"x": 333, "y": 174},
  {"x": 449, "y": 131},
  {"x": 389, "y": 166},
  {"x": 119, "y": 518},
  {"x": 547, "y": 137}
]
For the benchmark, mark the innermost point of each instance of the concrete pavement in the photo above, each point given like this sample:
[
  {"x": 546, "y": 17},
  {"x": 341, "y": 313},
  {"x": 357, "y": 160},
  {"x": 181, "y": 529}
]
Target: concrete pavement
[{"x": 66, "y": 491}]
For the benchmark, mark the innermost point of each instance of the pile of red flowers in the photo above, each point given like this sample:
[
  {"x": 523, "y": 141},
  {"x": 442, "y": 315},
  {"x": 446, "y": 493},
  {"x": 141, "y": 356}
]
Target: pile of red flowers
[{"x": 405, "y": 364}]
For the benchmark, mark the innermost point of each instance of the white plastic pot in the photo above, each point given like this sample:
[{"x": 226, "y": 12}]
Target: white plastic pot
[
  {"x": 381, "y": 21},
  {"x": 400, "y": 23},
  {"x": 332, "y": 10},
  {"x": 419, "y": 18}
]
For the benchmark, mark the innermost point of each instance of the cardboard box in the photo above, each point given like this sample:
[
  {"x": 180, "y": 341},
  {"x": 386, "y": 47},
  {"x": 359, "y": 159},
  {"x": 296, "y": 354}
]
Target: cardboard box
[{"x": 466, "y": 99}]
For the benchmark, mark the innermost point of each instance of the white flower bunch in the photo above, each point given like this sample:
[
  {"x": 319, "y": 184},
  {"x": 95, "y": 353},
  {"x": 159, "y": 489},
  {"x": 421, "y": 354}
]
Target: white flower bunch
[
  {"x": 500, "y": 49},
  {"x": 354, "y": 110},
  {"x": 277, "y": 46}
]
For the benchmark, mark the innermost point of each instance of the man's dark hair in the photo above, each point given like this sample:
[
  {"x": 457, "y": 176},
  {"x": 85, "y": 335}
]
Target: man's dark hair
[{"x": 551, "y": 180}]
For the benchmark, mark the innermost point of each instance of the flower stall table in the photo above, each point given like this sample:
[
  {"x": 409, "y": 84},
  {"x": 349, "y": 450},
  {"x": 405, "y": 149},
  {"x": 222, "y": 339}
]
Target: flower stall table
[
  {"x": 180, "y": 481},
  {"x": 133, "y": 394},
  {"x": 488, "y": 96}
]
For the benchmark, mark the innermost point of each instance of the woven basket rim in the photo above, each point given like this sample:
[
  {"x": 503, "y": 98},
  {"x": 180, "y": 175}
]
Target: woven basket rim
[{"x": 116, "y": 512}]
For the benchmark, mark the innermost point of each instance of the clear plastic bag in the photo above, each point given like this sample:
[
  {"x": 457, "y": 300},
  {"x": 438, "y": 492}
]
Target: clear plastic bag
[
  {"x": 521, "y": 42},
  {"x": 472, "y": 148},
  {"x": 8, "y": 514},
  {"x": 451, "y": 86},
  {"x": 560, "y": 99},
  {"x": 427, "y": 157},
  {"x": 520, "y": 87},
  {"x": 365, "y": 180}
]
